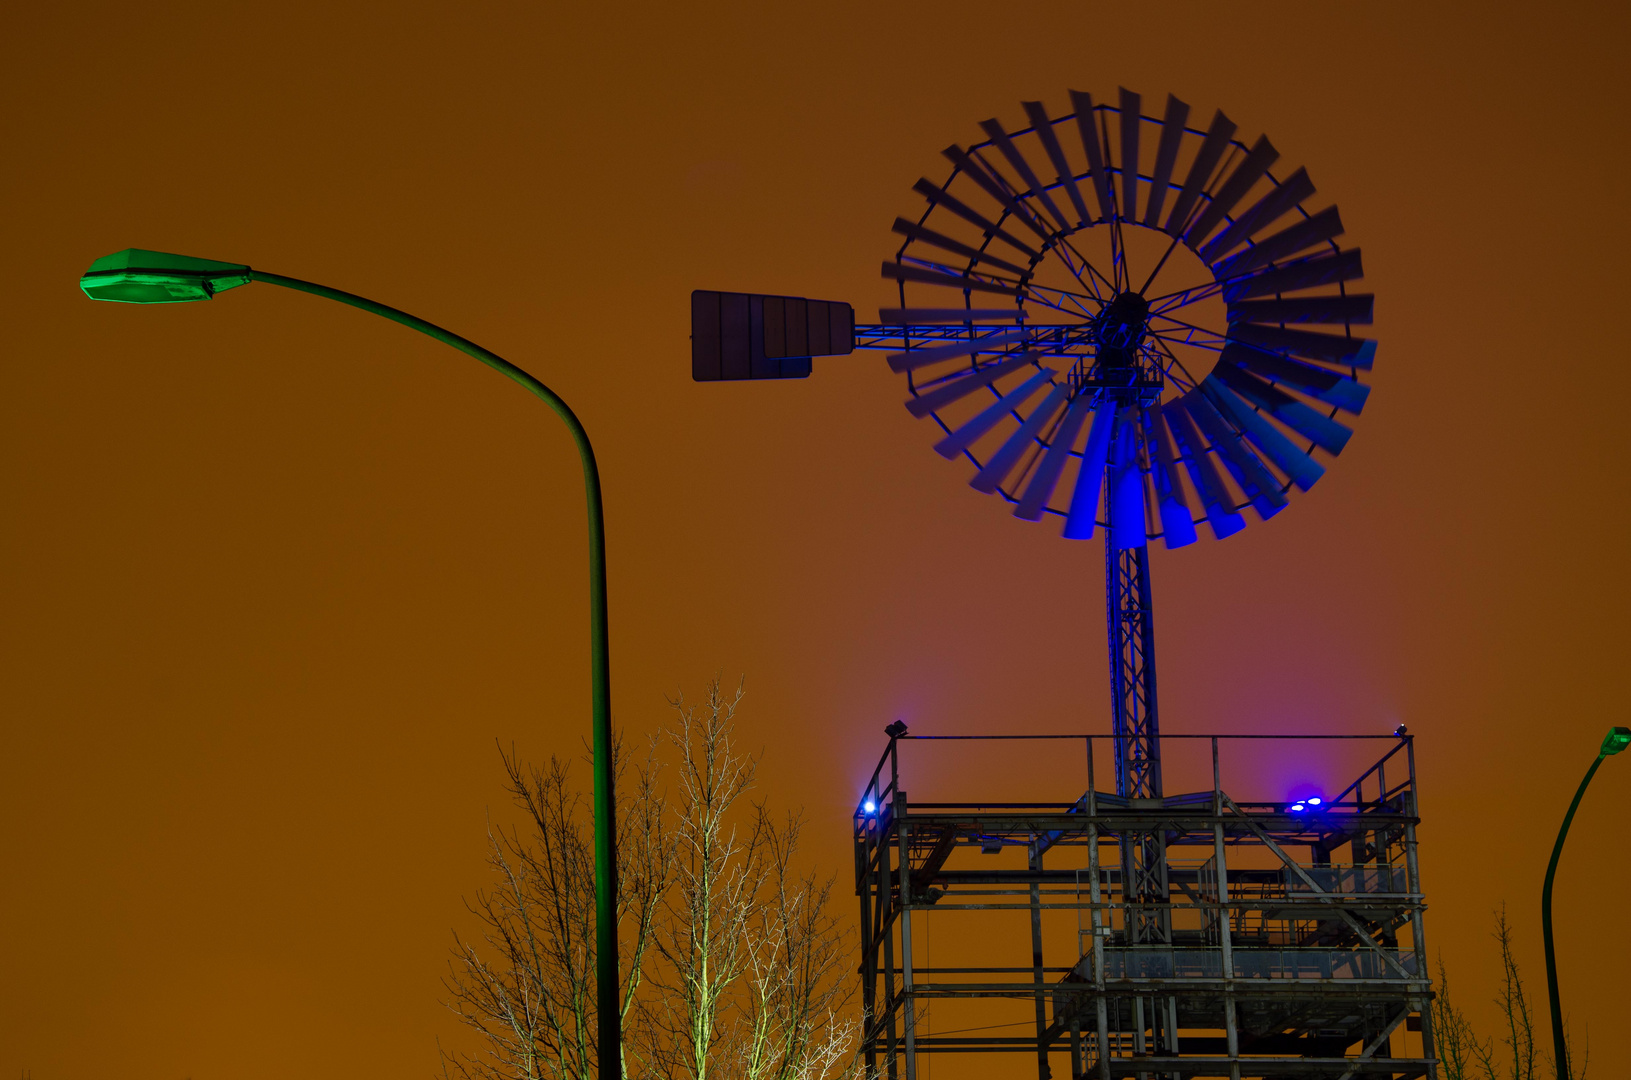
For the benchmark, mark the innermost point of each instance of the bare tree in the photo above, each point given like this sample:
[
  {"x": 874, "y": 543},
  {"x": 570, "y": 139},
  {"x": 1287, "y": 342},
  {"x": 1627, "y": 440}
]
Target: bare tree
[
  {"x": 528, "y": 986},
  {"x": 1514, "y": 1005},
  {"x": 1464, "y": 1056},
  {"x": 732, "y": 966},
  {"x": 1460, "y": 1051},
  {"x": 751, "y": 983},
  {"x": 797, "y": 985}
]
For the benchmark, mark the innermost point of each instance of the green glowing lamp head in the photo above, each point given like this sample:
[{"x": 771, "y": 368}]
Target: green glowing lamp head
[
  {"x": 135, "y": 276},
  {"x": 1618, "y": 739}
]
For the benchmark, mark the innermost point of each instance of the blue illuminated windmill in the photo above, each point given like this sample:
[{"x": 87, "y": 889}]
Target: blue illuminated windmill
[{"x": 1120, "y": 322}]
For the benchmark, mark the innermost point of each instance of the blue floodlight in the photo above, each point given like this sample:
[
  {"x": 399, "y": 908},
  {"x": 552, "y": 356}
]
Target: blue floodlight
[
  {"x": 870, "y": 807},
  {"x": 1304, "y": 798}
]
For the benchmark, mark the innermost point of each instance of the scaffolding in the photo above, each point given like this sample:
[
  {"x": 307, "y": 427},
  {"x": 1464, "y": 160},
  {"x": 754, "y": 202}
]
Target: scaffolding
[{"x": 1283, "y": 939}]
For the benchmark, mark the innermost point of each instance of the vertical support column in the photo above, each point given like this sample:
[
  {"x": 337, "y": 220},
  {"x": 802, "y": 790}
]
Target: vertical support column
[
  {"x": 1135, "y": 725},
  {"x": 908, "y": 999},
  {"x": 1231, "y": 1024},
  {"x": 1413, "y": 883},
  {"x": 886, "y": 937},
  {"x": 1141, "y": 1047},
  {"x": 1134, "y": 718},
  {"x": 869, "y": 949},
  {"x": 1231, "y": 1028},
  {"x": 1043, "y": 1072},
  {"x": 1099, "y": 934}
]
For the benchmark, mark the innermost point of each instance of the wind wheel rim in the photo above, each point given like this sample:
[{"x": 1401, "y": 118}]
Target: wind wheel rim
[{"x": 1171, "y": 456}]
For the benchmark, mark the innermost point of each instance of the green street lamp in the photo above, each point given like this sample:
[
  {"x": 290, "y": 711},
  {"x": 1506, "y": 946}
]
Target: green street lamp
[
  {"x": 1618, "y": 739},
  {"x": 154, "y": 277}
]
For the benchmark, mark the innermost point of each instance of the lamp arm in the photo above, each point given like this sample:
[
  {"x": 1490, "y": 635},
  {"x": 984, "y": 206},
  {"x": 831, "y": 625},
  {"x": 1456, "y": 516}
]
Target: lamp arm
[
  {"x": 1560, "y": 1048},
  {"x": 609, "y": 1005}
]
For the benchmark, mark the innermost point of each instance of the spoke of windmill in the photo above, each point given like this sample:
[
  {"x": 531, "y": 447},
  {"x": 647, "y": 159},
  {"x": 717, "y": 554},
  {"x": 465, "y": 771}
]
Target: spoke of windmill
[
  {"x": 1190, "y": 341},
  {"x": 1033, "y": 294},
  {"x": 1193, "y": 382},
  {"x": 1064, "y": 257},
  {"x": 1173, "y": 370},
  {"x": 1118, "y": 247},
  {"x": 1030, "y": 285},
  {"x": 1164, "y": 257},
  {"x": 1184, "y": 297},
  {"x": 1070, "y": 265},
  {"x": 1187, "y": 326},
  {"x": 1177, "y": 233},
  {"x": 1178, "y": 376},
  {"x": 1091, "y": 269},
  {"x": 1118, "y": 254},
  {"x": 1081, "y": 309}
]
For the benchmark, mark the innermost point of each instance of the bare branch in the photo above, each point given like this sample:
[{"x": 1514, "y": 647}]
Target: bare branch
[{"x": 730, "y": 964}]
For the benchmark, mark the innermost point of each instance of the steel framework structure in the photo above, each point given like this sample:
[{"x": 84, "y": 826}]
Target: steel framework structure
[
  {"x": 1286, "y": 942},
  {"x": 1136, "y": 729}
]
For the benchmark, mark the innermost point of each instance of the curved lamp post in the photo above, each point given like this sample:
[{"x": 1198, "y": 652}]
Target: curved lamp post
[
  {"x": 153, "y": 277},
  {"x": 1617, "y": 739}
]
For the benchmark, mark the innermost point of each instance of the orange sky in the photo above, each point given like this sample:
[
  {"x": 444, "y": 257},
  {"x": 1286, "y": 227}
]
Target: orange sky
[{"x": 277, "y": 574}]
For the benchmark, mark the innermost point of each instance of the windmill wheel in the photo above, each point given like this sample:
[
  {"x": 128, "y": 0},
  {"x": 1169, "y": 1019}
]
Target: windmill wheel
[{"x": 1125, "y": 345}]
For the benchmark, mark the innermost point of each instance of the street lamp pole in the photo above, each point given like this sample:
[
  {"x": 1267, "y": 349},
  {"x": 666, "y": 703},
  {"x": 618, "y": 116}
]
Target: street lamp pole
[
  {"x": 148, "y": 277},
  {"x": 1618, "y": 739}
]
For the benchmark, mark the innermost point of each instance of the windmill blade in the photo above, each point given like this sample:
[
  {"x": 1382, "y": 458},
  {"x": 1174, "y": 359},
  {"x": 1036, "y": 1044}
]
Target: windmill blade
[
  {"x": 899, "y": 272},
  {"x": 938, "y": 197},
  {"x": 1127, "y": 485},
  {"x": 1177, "y": 523},
  {"x": 945, "y": 243},
  {"x": 1311, "y": 424},
  {"x": 1352, "y": 308},
  {"x": 1084, "y": 501},
  {"x": 1269, "y": 209},
  {"x": 1318, "y": 229},
  {"x": 1132, "y": 116},
  {"x": 1317, "y": 382},
  {"x": 1203, "y": 472},
  {"x": 929, "y": 316},
  {"x": 993, "y": 187},
  {"x": 943, "y": 395},
  {"x": 1046, "y": 475},
  {"x": 1005, "y": 145},
  {"x": 1323, "y": 269},
  {"x": 1254, "y": 479},
  {"x": 1166, "y": 156},
  {"x": 1332, "y": 348},
  {"x": 1303, "y": 470},
  {"x": 969, "y": 433},
  {"x": 1087, "y": 124},
  {"x": 1056, "y": 154},
  {"x": 912, "y": 359},
  {"x": 1247, "y": 173},
  {"x": 1200, "y": 170},
  {"x": 996, "y": 471}
]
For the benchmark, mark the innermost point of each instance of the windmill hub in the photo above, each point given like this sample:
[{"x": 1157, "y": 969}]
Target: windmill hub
[
  {"x": 1117, "y": 333},
  {"x": 1120, "y": 328}
]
